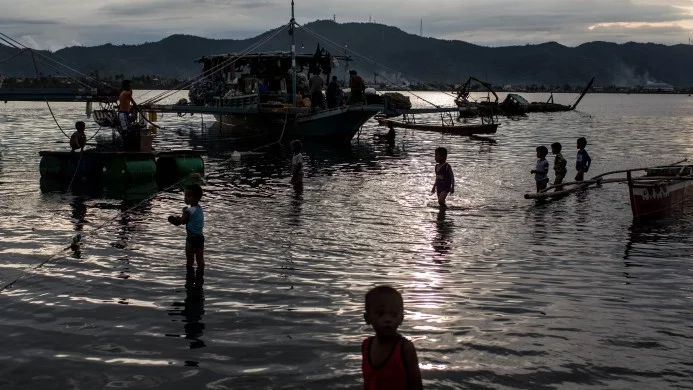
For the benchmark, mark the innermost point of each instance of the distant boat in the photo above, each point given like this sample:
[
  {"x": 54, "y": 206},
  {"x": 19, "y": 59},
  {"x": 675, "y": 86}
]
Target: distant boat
[{"x": 464, "y": 130}]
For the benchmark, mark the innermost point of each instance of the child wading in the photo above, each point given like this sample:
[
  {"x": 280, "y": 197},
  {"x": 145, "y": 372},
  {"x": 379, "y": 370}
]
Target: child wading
[
  {"x": 194, "y": 221},
  {"x": 389, "y": 361},
  {"x": 583, "y": 160},
  {"x": 559, "y": 164},
  {"x": 541, "y": 173},
  {"x": 445, "y": 180},
  {"x": 297, "y": 165}
]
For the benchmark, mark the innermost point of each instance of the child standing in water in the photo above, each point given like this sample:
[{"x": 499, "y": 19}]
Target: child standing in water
[
  {"x": 297, "y": 165},
  {"x": 193, "y": 219},
  {"x": 583, "y": 160},
  {"x": 445, "y": 180},
  {"x": 541, "y": 173},
  {"x": 559, "y": 164},
  {"x": 388, "y": 360}
]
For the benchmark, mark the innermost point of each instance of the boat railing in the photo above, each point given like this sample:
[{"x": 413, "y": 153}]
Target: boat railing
[{"x": 238, "y": 101}]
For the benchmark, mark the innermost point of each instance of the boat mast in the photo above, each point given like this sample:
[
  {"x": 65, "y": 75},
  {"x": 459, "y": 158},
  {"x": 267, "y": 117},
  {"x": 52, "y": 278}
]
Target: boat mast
[{"x": 293, "y": 55}]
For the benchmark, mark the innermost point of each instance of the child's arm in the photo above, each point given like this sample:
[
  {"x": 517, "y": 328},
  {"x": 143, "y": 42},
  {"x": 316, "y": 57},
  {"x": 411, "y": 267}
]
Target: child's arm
[
  {"x": 433, "y": 190},
  {"x": 452, "y": 180},
  {"x": 182, "y": 220},
  {"x": 411, "y": 362},
  {"x": 297, "y": 169},
  {"x": 588, "y": 162}
]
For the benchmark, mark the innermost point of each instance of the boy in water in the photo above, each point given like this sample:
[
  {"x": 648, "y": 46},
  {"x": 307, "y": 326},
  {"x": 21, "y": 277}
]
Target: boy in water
[
  {"x": 583, "y": 160},
  {"x": 388, "y": 360},
  {"x": 559, "y": 164},
  {"x": 541, "y": 173},
  {"x": 445, "y": 180},
  {"x": 194, "y": 221},
  {"x": 79, "y": 138},
  {"x": 297, "y": 165}
]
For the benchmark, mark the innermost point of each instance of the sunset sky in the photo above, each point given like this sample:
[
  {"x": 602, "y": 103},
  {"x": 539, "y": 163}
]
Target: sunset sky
[{"x": 56, "y": 24}]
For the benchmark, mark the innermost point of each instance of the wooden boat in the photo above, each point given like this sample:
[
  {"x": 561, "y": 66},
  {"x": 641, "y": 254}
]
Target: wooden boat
[
  {"x": 660, "y": 189},
  {"x": 466, "y": 130}
]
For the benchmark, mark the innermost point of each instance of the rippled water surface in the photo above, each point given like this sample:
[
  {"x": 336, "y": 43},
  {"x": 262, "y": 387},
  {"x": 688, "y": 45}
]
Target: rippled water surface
[{"x": 500, "y": 292}]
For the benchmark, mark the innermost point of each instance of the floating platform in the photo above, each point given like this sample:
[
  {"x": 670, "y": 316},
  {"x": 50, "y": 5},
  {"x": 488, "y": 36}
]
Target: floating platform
[
  {"x": 119, "y": 167},
  {"x": 465, "y": 130}
]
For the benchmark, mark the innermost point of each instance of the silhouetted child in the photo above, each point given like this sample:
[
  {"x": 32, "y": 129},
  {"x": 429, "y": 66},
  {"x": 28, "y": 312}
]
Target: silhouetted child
[
  {"x": 297, "y": 165},
  {"x": 194, "y": 221},
  {"x": 445, "y": 180},
  {"x": 79, "y": 137},
  {"x": 541, "y": 173},
  {"x": 389, "y": 360},
  {"x": 559, "y": 164},
  {"x": 583, "y": 160}
]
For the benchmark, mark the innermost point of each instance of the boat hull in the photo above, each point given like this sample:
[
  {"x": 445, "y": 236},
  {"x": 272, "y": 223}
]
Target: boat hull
[
  {"x": 650, "y": 198},
  {"x": 466, "y": 130}
]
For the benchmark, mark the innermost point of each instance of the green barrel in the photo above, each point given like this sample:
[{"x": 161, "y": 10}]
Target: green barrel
[
  {"x": 172, "y": 168},
  {"x": 122, "y": 169},
  {"x": 51, "y": 167}
]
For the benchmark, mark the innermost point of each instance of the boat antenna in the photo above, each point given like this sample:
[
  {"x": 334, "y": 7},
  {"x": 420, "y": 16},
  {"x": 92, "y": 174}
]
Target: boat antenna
[{"x": 293, "y": 54}]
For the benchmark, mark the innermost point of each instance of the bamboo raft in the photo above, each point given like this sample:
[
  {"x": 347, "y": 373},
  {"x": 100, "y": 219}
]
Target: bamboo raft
[{"x": 596, "y": 181}]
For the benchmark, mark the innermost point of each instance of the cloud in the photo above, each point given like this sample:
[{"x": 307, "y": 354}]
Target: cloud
[{"x": 485, "y": 22}]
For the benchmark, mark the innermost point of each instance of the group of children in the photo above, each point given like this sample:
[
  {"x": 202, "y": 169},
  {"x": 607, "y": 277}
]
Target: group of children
[{"x": 541, "y": 173}]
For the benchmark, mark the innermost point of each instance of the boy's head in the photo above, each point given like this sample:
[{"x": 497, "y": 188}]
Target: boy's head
[
  {"x": 384, "y": 310},
  {"x": 193, "y": 194},
  {"x": 441, "y": 155},
  {"x": 296, "y": 146},
  {"x": 542, "y": 151},
  {"x": 556, "y": 147},
  {"x": 334, "y": 78},
  {"x": 127, "y": 85},
  {"x": 80, "y": 126},
  {"x": 581, "y": 143}
]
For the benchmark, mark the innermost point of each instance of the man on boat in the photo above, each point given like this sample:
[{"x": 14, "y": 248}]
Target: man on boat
[
  {"x": 358, "y": 86},
  {"x": 316, "y": 84},
  {"x": 335, "y": 95},
  {"x": 125, "y": 101}
]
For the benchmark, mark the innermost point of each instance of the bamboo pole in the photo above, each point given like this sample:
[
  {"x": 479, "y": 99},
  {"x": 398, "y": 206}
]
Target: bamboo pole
[{"x": 578, "y": 185}]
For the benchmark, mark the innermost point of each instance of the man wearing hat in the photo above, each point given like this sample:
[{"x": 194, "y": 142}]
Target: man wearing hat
[{"x": 358, "y": 87}]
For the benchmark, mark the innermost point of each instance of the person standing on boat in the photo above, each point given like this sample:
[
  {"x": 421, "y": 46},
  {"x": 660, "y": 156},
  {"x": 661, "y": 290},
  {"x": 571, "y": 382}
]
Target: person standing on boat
[
  {"x": 333, "y": 94},
  {"x": 583, "y": 160},
  {"x": 541, "y": 173},
  {"x": 316, "y": 83},
  {"x": 358, "y": 87},
  {"x": 79, "y": 138},
  {"x": 125, "y": 102}
]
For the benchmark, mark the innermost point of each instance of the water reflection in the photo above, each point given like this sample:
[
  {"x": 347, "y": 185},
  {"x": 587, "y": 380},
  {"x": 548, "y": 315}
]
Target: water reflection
[
  {"x": 442, "y": 241},
  {"x": 192, "y": 308}
]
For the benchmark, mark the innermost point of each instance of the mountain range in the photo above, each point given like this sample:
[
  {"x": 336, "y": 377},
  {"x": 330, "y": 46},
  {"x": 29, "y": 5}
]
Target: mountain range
[{"x": 390, "y": 53}]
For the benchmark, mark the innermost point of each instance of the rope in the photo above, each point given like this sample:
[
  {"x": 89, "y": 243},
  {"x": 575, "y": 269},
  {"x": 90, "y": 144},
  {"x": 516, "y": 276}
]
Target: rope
[
  {"x": 337, "y": 46},
  {"x": 123, "y": 213},
  {"x": 214, "y": 70},
  {"x": 13, "y": 56}
]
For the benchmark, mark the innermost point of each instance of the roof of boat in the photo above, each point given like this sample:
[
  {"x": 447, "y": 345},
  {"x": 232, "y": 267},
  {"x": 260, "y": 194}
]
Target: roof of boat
[
  {"x": 518, "y": 98},
  {"x": 268, "y": 55}
]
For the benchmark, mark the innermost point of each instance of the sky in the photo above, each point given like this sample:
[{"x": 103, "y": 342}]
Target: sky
[{"x": 53, "y": 24}]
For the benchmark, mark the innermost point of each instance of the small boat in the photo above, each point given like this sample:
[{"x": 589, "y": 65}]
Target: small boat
[
  {"x": 466, "y": 130},
  {"x": 660, "y": 189}
]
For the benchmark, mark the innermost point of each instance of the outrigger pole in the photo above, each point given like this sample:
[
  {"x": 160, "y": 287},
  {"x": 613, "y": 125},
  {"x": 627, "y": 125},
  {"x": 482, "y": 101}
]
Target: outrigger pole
[{"x": 293, "y": 54}]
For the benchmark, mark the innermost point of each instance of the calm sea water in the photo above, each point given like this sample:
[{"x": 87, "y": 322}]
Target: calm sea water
[{"x": 500, "y": 292}]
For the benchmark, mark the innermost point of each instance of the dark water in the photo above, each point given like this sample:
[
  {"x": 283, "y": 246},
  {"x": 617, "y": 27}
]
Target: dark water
[{"x": 500, "y": 292}]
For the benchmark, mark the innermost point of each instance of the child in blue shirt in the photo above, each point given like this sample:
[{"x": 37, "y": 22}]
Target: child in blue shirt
[
  {"x": 541, "y": 173},
  {"x": 583, "y": 160},
  {"x": 193, "y": 219}
]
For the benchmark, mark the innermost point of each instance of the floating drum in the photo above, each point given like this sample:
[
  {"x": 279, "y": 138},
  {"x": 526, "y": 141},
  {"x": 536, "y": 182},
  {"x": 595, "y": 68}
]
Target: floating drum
[
  {"x": 132, "y": 171},
  {"x": 51, "y": 167},
  {"x": 170, "y": 168}
]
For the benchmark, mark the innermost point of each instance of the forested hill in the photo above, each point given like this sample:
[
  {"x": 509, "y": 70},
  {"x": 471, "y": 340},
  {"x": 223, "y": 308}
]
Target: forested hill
[{"x": 417, "y": 58}]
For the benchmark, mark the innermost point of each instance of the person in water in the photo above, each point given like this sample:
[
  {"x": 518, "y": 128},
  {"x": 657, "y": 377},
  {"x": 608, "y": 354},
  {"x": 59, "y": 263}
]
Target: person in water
[
  {"x": 559, "y": 164},
  {"x": 388, "y": 360},
  {"x": 297, "y": 165},
  {"x": 541, "y": 173},
  {"x": 445, "y": 180},
  {"x": 583, "y": 160},
  {"x": 194, "y": 221},
  {"x": 125, "y": 102},
  {"x": 79, "y": 137}
]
